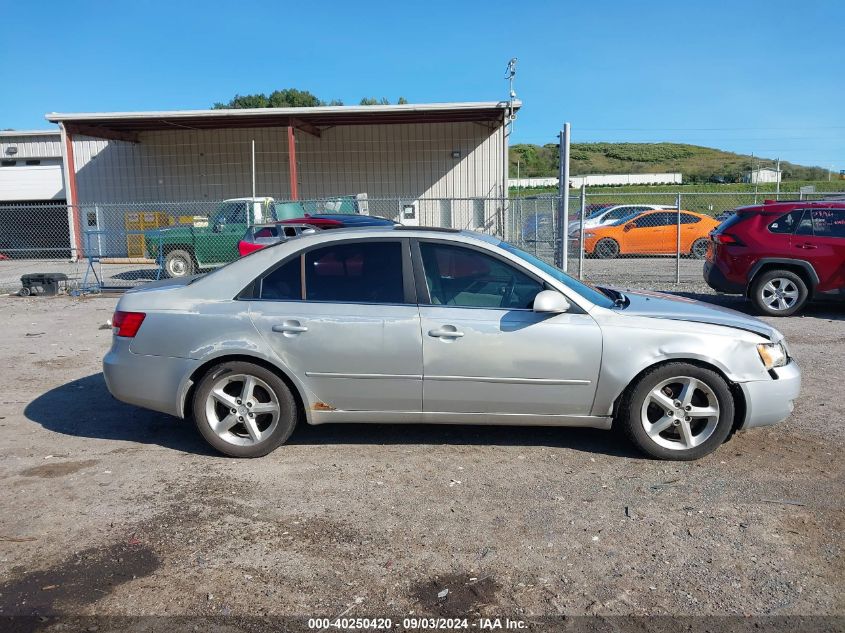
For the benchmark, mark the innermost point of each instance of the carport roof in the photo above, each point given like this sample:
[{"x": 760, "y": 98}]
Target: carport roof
[{"x": 128, "y": 124}]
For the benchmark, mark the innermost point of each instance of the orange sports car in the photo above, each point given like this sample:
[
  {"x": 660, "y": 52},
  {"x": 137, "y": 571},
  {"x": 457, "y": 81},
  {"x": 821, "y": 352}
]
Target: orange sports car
[{"x": 651, "y": 233}]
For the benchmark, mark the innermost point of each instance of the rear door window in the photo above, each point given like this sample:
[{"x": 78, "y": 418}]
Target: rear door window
[
  {"x": 829, "y": 222},
  {"x": 355, "y": 272}
]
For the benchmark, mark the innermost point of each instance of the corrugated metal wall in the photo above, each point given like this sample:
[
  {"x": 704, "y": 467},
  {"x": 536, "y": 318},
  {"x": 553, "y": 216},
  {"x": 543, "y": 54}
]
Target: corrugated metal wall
[
  {"x": 47, "y": 145},
  {"x": 410, "y": 160}
]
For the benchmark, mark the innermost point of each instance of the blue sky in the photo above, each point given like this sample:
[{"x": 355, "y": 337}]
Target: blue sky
[{"x": 752, "y": 76}]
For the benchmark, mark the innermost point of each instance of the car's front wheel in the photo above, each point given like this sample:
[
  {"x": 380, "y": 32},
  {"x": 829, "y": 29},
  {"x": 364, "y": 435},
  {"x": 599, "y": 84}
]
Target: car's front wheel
[
  {"x": 779, "y": 293},
  {"x": 243, "y": 409},
  {"x": 678, "y": 411},
  {"x": 606, "y": 248}
]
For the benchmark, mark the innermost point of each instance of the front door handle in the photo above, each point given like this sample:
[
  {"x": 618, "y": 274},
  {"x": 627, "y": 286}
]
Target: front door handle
[
  {"x": 447, "y": 331},
  {"x": 807, "y": 246},
  {"x": 290, "y": 327}
]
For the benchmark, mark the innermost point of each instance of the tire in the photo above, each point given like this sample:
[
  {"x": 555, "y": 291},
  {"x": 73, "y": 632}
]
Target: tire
[
  {"x": 179, "y": 263},
  {"x": 765, "y": 291},
  {"x": 698, "y": 250},
  {"x": 606, "y": 248},
  {"x": 24, "y": 292},
  {"x": 224, "y": 419},
  {"x": 686, "y": 434}
]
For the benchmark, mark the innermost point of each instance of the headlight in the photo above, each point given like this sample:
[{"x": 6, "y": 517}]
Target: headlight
[
  {"x": 589, "y": 234},
  {"x": 773, "y": 354}
]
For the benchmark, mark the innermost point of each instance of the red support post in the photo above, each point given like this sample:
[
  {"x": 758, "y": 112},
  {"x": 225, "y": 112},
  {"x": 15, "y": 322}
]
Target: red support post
[
  {"x": 294, "y": 186},
  {"x": 73, "y": 199}
]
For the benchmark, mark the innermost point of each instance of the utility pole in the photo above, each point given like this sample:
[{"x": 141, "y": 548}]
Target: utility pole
[
  {"x": 562, "y": 236},
  {"x": 755, "y": 178},
  {"x": 777, "y": 181}
]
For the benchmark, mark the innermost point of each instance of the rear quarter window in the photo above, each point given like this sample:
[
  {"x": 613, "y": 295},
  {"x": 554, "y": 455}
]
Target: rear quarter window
[{"x": 787, "y": 223}]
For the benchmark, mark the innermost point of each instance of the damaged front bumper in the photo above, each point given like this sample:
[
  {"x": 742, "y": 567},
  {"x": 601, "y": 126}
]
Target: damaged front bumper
[{"x": 771, "y": 401}]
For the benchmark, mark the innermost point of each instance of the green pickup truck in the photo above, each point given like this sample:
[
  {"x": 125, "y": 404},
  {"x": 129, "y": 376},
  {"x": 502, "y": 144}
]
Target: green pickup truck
[{"x": 188, "y": 248}]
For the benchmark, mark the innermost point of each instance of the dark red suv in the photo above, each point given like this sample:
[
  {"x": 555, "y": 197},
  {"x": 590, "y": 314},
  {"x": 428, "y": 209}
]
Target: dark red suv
[{"x": 780, "y": 254}]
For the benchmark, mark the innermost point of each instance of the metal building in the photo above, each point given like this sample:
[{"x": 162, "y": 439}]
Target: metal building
[
  {"x": 762, "y": 174},
  {"x": 449, "y": 160},
  {"x": 33, "y": 215},
  {"x": 31, "y": 166}
]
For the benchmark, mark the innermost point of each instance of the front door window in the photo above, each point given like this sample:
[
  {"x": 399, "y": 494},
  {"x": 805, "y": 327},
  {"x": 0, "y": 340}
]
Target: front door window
[{"x": 466, "y": 278}]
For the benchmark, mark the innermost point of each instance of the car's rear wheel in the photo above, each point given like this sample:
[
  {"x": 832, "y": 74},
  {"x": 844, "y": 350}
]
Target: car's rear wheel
[
  {"x": 779, "y": 293},
  {"x": 606, "y": 248},
  {"x": 699, "y": 248},
  {"x": 179, "y": 263},
  {"x": 244, "y": 410},
  {"x": 678, "y": 411}
]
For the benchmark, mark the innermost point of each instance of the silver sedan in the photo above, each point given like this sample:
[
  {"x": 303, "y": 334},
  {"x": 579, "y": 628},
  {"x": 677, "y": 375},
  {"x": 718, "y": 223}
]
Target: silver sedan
[{"x": 438, "y": 326}]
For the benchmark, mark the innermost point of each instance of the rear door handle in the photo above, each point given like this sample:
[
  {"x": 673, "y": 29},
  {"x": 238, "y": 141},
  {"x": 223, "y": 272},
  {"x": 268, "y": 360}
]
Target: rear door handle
[
  {"x": 448, "y": 331},
  {"x": 806, "y": 246},
  {"x": 290, "y": 327}
]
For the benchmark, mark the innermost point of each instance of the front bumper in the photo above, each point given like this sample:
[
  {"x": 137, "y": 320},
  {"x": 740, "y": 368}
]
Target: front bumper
[
  {"x": 151, "y": 382},
  {"x": 717, "y": 280},
  {"x": 771, "y": 401}
]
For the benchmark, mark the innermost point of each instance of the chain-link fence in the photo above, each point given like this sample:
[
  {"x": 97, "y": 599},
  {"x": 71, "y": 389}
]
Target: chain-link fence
[
  {"x": 101, "y": 246},
  {"x": 651, "y": 240}
]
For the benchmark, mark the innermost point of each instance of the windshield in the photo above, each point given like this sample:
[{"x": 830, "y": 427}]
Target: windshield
[
  {"x": 597, "y": 212},
  {"x": 627, "y": 218},
  {"x": 287, "y": 210},
  {"x": 591, "y": 293}
]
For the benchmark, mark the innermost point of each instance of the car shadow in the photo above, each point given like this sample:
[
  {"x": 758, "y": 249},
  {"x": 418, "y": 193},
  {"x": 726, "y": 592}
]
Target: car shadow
[
  {"x": 577, "y": 439},
  {"x": 142, "y": 274},
  {"x": 85, "y": 408},
  {"x": 818, "y": 310}
]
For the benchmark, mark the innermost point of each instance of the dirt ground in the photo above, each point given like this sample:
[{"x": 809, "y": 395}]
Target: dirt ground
[{"x": 106, "y": 509}]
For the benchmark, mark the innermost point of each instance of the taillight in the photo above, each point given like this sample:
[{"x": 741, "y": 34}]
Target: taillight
[
  {"x": 727, "y": 238},
  {"x": 127, "y": 323}
]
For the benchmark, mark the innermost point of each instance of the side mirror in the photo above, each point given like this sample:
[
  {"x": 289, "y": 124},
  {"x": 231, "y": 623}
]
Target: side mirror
[
  {"x": 629, "y": 226},
  {"x": 551, "y": 301}
]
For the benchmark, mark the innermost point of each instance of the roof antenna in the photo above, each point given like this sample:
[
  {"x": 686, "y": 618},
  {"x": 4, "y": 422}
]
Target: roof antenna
[{"x": 510, "y": 73}]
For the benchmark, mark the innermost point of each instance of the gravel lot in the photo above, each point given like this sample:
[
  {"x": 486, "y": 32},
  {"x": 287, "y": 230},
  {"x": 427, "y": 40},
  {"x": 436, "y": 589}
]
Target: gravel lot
[{"x": 111, "y": 510}]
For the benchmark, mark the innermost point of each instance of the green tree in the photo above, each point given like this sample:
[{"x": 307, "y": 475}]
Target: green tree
[
  {"x": 374, "y": 101},
  {"x": 293, "y": 98},
  {"x": 285, "y": 98},
  {"x": 382, "y": 101},
  {"x": 244, "y": 101}
]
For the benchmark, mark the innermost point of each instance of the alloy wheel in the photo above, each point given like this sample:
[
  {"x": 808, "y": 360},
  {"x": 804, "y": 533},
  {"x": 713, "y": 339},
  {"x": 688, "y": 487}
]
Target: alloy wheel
[
  {"x": 779, "y": 294},
  {"x": 699, "y": 249},
  {"x": 242, "y": 409},
  {"x": 680, "y": 413}
]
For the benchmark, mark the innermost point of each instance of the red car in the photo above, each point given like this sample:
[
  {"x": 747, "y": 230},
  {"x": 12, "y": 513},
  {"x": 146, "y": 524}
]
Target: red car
[
  {"x": 780, "y": 254},
  {"x": 257, "y": 237},
  {"x": 263, "y": 235}
]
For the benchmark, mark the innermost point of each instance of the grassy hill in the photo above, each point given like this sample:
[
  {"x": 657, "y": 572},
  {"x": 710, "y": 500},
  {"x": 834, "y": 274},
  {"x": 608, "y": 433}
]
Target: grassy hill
[{"x": 697, "y": 164}]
